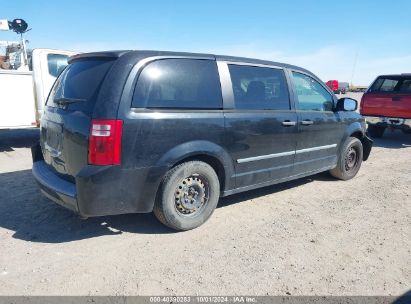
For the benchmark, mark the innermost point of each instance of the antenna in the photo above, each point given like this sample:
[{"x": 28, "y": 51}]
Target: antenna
[{"x": 353, "y": 68}]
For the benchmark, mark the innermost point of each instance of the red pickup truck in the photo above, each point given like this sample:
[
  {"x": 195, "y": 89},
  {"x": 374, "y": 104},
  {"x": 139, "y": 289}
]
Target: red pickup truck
[{"x": 387, "y": 104}]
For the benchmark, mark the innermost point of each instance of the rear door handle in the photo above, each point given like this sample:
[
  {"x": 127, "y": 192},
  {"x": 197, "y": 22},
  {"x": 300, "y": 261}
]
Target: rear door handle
[
  {"x": 289, "y": 123},
  {"x": 307, "y": 122}
]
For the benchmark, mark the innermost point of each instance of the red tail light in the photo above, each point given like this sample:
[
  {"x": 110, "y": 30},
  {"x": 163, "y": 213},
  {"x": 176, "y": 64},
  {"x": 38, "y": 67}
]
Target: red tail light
[
  {"x": 104, "y": 146},
  {"x": 362, "y": 103}
]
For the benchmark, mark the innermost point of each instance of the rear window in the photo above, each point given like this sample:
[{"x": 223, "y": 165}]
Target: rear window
[
  {"x": 179, "y": 83},
  {"x": 80, "y": 80},
  {"x": 391, "y": 84}
]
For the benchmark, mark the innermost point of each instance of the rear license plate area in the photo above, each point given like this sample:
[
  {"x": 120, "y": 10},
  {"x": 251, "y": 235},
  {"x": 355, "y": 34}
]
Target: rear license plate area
[{"x": 54, "y": 136}]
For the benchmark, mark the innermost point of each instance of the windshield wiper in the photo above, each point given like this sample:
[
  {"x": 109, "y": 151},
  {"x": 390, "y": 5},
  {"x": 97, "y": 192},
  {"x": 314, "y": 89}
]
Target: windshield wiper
[{"x": 65, "y": 101}]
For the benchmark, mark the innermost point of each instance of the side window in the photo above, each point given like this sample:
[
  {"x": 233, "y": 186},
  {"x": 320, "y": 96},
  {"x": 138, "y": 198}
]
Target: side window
[
  {"x": 388, "y": 85},
  {"x": 259, "y": 88},
  {"x": 405, "y": 86},
  {"x": 311, "y": 95},
  {"x": 179, "y": 83},
  {"x": 56, "y": 63}
]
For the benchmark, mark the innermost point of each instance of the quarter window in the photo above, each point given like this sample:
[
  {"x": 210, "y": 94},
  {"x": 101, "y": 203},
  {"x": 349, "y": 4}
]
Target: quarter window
[
  {"x": 311, "y": 95},
  {"x": 179, "y": 83},
  {"x": 259, "y": 88}
]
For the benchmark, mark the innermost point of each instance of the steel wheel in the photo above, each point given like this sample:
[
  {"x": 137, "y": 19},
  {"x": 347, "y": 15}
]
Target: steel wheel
[
  {"x": 351, "y": 159},
  {"x": 191, "y": 195},
  {"x": 188, "y": 195}
]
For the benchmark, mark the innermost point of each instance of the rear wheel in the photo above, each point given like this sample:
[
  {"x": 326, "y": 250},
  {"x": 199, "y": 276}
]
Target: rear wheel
[
  {"x": 187, "y": 196},
  {"x": 350, "y": 159},
  {"x": 376, "y": 131}
]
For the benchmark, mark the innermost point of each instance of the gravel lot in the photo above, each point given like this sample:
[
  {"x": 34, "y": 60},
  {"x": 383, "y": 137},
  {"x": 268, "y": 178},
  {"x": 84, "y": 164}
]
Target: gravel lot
[{"x": 313, "y": 236}]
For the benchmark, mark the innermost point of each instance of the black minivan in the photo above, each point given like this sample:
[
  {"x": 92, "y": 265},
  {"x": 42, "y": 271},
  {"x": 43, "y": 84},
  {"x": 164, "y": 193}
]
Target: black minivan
[{"x": 142, "y": 131}]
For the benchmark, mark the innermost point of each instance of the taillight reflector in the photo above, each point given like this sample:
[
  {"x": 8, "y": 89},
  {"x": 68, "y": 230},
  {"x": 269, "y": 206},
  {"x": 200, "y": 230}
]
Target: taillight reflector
[{"x": 104, "y": 146}]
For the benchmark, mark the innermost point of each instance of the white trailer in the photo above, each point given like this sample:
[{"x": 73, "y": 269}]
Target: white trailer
[{"x": 23, "y": 92}]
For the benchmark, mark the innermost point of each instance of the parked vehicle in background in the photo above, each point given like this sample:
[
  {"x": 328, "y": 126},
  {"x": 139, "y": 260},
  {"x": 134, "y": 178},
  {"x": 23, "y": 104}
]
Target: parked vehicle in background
[
  {"x": 358, "y": 89},
  {"x": 24, "y": 88},
  {"x": 343, "y": 87},
  {"x": 333, "y": 85},
  {"x": 142, "y": 131},
  {"x": 337, "y": 87},
  {"x": 387, "y": 104}
]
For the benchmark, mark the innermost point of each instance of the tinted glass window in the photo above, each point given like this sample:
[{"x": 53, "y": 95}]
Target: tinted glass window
[
  {"x": 388, "y": 85},
  {"x": 80, "y": 80},
  {"x": 391, "y": 84},
  {"x": 56, "y": 63},
  {"x": 179, "y": 83},
  {"x": 311, "y": 95},
  {"x": 405, "y": 86},
  {"x": 259, "y": 88}
]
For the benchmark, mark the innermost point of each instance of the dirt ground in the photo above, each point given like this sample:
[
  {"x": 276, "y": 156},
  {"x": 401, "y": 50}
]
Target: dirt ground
[{"x": 312, "y": 236}]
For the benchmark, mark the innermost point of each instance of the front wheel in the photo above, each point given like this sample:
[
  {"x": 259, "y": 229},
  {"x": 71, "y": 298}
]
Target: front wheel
[
  {"x": 349, "y": 160},
  {"x": 187, "y": 196}
]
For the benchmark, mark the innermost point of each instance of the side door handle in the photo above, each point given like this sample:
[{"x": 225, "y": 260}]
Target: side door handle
[
  {"x": 307, "y": 122},
  {"x": 288, "y": 123}
]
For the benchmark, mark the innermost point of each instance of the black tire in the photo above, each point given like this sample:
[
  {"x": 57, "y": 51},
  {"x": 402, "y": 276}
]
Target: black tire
[
  {"x": 376, "y": 131},
  {"x": 350, "y": 159},
  {"x": 187, "y": 196}
]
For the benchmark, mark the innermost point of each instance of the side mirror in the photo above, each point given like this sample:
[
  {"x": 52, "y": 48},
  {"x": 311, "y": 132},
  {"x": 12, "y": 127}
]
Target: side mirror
[{"x": 347, "y": 104}]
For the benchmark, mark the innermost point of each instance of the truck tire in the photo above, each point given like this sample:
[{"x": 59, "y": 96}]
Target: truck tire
[
  {"x": 187, "y": 196},
  {"x": 349, "y": 160},
  {"x": 376, "y": 131}
]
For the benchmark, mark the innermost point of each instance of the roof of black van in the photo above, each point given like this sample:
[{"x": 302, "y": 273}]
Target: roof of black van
[{"x": 150, "y": 53}]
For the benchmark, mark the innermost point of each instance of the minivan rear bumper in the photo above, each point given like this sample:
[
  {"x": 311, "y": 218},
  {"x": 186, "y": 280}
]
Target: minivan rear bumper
[
  {"x": 99, "y": 190},
  {"x": 55, "y": 188}
]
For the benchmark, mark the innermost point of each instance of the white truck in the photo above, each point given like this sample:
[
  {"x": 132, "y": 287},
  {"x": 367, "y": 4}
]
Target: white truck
[{"x": 24, "y": 89}]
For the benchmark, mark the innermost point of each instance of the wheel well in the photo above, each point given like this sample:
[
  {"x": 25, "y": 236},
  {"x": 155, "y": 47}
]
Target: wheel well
[
  {"x": 210, "y": 160},
  {"x": 358, "y": 135},
  {"x": 365, "y": 143}
]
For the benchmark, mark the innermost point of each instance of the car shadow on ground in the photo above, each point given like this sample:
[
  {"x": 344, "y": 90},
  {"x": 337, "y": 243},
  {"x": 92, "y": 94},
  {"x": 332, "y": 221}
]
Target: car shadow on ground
[
  {"x": 32, "y": 217},
  {"x": 404, "y": 299},
  {"x": 395, "y": 139},
  {"x": 18, "y": 138}
]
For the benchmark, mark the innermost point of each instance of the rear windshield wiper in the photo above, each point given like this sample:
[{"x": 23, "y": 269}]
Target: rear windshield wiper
[{"x": 65, "y": 101}]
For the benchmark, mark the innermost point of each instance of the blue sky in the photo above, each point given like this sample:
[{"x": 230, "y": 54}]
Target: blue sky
[{"x": 322, "y": 36}]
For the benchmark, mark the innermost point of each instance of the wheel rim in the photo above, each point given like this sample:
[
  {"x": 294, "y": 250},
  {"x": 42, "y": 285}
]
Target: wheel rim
[
  {"x": 191, "y": 195},
  {"x": 351, "y": 159}
]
